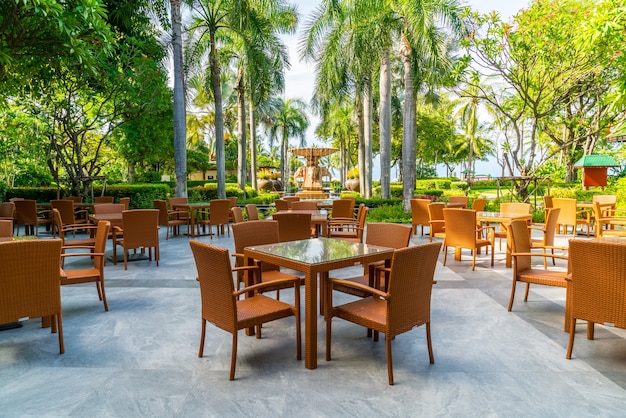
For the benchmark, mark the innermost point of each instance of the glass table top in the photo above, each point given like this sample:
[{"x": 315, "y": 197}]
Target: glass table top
[{"x": 319, "y": 250}]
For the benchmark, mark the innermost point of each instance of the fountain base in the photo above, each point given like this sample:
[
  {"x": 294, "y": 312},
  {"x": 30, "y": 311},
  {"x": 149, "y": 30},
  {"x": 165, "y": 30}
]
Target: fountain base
[{"x": 312, "y": 194}]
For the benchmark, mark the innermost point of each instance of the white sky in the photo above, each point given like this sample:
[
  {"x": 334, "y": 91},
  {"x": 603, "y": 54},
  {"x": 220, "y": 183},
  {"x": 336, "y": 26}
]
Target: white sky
[{"x": 300, "y": 79}]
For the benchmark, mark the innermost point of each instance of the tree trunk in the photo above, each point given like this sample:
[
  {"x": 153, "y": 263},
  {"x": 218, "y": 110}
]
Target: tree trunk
[
  {"x": 284, "y": 162},
  {"x": 241, "y": 142},
  {"x": 216, "y": 85},
  {"x": 180, "y": 127},
  {"x": 361, "y": 145},
  {"x": 385, "y": 126},
  {"x": 366, "y": 175},
  {"x": 253, "y": 169},
  {"x": 408, "y": 135}
]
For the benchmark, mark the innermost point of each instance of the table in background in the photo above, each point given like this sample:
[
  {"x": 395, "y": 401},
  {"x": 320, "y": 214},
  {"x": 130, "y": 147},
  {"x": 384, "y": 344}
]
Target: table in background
[
  {"x": 191, "y": 209},
  {"x": 316, "y": 257},
  {"x": 503, "y": 219}
]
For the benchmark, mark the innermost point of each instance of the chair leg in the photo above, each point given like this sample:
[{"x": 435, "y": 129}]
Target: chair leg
[
  {"x": 389, "y": 359},
  {"x": 104, "y": 295},
  {"x": 59, "y": 322},
  {"x": 512, "y": 295},
  {"x": 233, "y": 357},
  {"x": 590, "y": 330},
  {"x": 328, "y": 334},
  {"x": 572, "y": 331},
  {"x": 431, "y": 356},
  {"x": 202, "y": 335},
  {"x": 526, "y": 293}
]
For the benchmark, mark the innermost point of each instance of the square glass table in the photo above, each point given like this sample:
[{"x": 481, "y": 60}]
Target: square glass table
[{"x": 316, "y": 257}]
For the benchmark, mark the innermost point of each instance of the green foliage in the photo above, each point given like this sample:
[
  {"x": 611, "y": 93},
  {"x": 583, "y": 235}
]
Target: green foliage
[
  {"x": 389, "y": 213},
  {"x": 40, "y": 194},
  {"x": 436, "y": 184}
]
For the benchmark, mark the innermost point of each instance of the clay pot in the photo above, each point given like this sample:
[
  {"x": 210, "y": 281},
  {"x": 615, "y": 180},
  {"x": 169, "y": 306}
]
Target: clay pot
[{"x": 353, "y": 185}]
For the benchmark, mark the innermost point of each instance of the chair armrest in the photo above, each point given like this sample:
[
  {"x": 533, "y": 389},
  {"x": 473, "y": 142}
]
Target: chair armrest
[
  {"x": 73, "y": 247},
  {"x": 355, "y": 285},
  {"x": 258, "y": 286},
  {"x": 81, "y": 254},
  {"x": 544, "y": 254}
]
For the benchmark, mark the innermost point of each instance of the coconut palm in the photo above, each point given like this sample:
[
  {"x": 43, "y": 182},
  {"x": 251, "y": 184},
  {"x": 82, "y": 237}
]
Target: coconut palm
[
  {"x": 180, "y": 135},
  {"x": 286, "y": 119}
]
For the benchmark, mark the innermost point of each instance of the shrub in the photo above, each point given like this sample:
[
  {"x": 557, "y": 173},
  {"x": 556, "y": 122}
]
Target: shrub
[{"x": 389, "y": 212}]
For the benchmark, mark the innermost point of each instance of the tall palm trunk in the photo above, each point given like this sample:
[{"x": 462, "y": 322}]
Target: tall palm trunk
[
  {"x": 385, "y": 125},
  {"x": 252, "y": 146},
  {"x": 219, "y": 120},
  {"x": 361, "y": 144},
  {"x": 241, "y": 142},
  {"x": 368, "y": 105},
  {"x": 408, "y": 135},
  {"x": 284, "y": 164},
  {"x": 180, "y": 133}
]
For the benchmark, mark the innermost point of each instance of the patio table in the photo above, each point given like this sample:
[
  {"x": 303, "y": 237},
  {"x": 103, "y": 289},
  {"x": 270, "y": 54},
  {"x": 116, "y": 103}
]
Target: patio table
[
  {"x": 316, "y": 257},
  {"x": 191, "y": 209},
  {"x": 503, "y": 219}
]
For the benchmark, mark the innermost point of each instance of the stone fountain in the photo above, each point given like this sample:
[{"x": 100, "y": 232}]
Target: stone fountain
[{"x": 312, "y": 173}]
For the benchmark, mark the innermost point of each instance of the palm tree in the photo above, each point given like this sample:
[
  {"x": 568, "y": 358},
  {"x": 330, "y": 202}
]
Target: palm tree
[
  {"x": 287, "y": 118},
  {"x": 424, "y": 51},
  {"x": 338, "y": 125},
  {"x": 180, "y": 135}
]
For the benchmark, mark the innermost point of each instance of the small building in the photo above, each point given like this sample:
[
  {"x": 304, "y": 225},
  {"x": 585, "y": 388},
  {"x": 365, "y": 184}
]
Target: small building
[{"x": 595, "y": 169}]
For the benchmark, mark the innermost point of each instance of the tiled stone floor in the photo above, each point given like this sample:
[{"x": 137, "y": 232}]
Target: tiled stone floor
[{"x": 140, "y": 358}]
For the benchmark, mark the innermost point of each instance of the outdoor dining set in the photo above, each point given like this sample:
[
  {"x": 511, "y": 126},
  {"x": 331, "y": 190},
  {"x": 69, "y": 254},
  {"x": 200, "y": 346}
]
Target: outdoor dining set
[{"x": 299, "y": 246}]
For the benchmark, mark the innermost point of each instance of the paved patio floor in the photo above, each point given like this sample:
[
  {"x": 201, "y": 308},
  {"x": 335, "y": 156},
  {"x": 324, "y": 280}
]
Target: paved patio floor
[{"x": 140, "y": 358}]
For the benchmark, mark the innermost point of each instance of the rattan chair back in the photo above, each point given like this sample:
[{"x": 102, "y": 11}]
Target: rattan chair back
[
  {"x": 462, "y": 232},
  {"x": 141, "y": 230},
  {"x": 29, "y": 284},
  {"x": 435, "y": 219},
  {"x": 103, "y": 199},
  {"x": 419, "y": 214},
  {"x": 102, "y": 208},
  {"x": 252, "y": 212},
  {"x": 479, "y": 205},
  {"x": 459, "y": 200},
  {"x": 6, "y": 228},
  {"x": 26, "y": 214},
  {"x": 237, "y": 214},
  {"x": 342, "y": 208},
  {"x": 126, "y": 202},
  {"x": 281, "y": 204},
  {"x": 7, "y": 210},
  {"x": 304, "y": 205},
  {"x": 293, "y": 226}
]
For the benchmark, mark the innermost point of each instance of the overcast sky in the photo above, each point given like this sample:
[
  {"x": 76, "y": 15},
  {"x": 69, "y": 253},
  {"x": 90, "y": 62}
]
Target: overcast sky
[{"x": 300, "y": 79}]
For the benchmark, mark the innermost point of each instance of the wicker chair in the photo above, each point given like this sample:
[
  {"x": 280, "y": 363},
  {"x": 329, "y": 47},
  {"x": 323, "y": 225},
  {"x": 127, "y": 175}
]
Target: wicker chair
[
  {"x": 462, "y": 232},
  {"x": 232, "y": 203},
  {"x": 220, "y": 304},
  {"x": 291, "y": 199},
  {"x": 90, "y": 274},
  {"x": 7, "y": 211},
  {"x": 596, "y": 291},
  {"x": 458, "y": 201},
  {"x": 88, "y": 243},
  {"x": 547, "y": 202},
  {"x": 522, "y": 262},
  {"x": 547, "y": 230},
  {"x": 170, "y": 219},
  {"x": 349, "y": 230},
  {"x": 435, "y": 220},
  {"x": 509, "y": 208},
  {"x": 606, "y": 218},
  {"x": 293, "y": 226},
  {"x": 6, "y": 228},
  {"x": 26, "y": 214},
  {"x": 479, "y": 205},
  {"x": 126, "y": 202},
  {"x": 30, "y": 282},
  {"x": 570, "y": 215},
  {"x": 70, "y": 216},
  {"x": 385, "y": 235},
  {"x": 236, "y": 214},
  {"x": 253, "y": 233},
  {"x": 304, "y": 205},
  {"x": 103, "y": 199},
  {"x": 281, "y": 204},
  {"x": 109, "y": 208},
  {"x": 404, "y": 306},
  {"x": 343, "y": 209},
  {"x": 252, "y": 212},
  {"x": 141, "y": 230},
  {"x": 218, "y": 215},
  {"x": 173, "y": 201},
  {"x": 419, "y": 214}
]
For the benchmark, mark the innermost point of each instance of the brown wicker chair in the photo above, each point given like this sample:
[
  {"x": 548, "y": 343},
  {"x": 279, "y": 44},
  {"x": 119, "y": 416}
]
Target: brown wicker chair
[
  {"x": 304, "y": 205},
  {"x": 26, "y": 214},
  {"x": 103, "y": 199},
  {"x": 30, "y": 286},
  {"x": 596, "y": 291},
  {"x": 232, "y": 203},
  {"x": 435, "y": 220},
  {"x": 293, "y": 226},
  {"x": 90, "y": 274},
  {"x": 547, "y": 229},
  {"x": 220, "y": 304},
  {"x": 419, "y": 214},
  {"x": 509, "y": 208},
  {"x": 126, "y": 202},
  {"x": 89, "y": 243},
  {"x": 479, "y": 205},
  {"x": 343, "y": 209},
  {"x": 281, "y": 205},
  {"x": 141, "y": 230},
  {"x": 218, "y": 215},
  {"x": 70, "y": 216},
  {"x": 169, "y": 218},
  {"x": 7, "y": 211},
  {"x": 569, "y": 215},
  {"x": 458, "y": 201},
  {"x": 75, "y": 199},
  {"x": 547, "y": 202},
  {"x": 347, "y": 229},
  {"x": 236, "y": 214},
  {"x": 290, "y": 200},
  {"x": 252, "y": 212},
  {"x": 522, "y": 262},
  {"x": 404, "y": 306},
  {"x": 462, "y": 232},
  {"x": 6, "y": 228},
  {"x": 253, "y": 233},
  {"x": 606, "y": 219},
  {"x": 173, "y": 201},
  {"x": 385, "y": 235}
]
